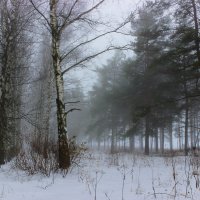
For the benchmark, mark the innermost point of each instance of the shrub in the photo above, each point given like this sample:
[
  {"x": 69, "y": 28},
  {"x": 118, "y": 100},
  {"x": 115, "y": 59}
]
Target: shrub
[{"x": 41, "y": 156}]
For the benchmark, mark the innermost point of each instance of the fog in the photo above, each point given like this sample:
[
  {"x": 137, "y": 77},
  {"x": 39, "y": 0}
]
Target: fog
[
  {"x": 115, "y": 12},
  {"x": 99, "y": 100}
]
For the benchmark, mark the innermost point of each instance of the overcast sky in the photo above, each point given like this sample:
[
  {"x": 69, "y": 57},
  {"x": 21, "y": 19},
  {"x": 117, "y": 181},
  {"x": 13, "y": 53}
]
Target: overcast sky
[
  {"x": 118, "y": 8},
  {"x": 116, "y": 11}
]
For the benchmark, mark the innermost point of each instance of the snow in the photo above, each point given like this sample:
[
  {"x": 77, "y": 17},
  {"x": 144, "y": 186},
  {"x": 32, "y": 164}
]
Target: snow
[{"x": 103, "y": 176}]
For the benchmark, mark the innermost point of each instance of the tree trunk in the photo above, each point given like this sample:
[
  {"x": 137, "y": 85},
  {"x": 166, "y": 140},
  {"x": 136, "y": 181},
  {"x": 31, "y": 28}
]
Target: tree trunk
[
  {"x": 141, "y": 142},
  {"x": 4, "y": 105},
  {"x": 192, "y": 128},
  {"x": 196, "y": 125},
  {"x": 156, "y": 141},
  {"x": 170, "y": 137},
  {"x": 112, "y": 141},
  {"x": 186, "y": 126},
  {"x": 196, "y": 24},
  {"x": 132, "y": 142},
  {"x": 179, "y": 135},
  {"x": 63, "y": 143},
  {"x": 104, "y": 142},
  {"x": 98, "y": 143},
  {"x": 162, "y": 140},
  {"x": 146, "y": 150},
  {"x": 2, "y": 135}
]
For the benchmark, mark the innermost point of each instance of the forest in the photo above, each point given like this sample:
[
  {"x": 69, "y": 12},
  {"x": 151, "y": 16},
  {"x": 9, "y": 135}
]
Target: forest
[
  {"x": 144, "y": 99},
  {"x": 153, "y": 96}
]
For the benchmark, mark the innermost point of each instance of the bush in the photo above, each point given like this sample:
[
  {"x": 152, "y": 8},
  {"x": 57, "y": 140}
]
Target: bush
[{"x": 41, "y": 156}]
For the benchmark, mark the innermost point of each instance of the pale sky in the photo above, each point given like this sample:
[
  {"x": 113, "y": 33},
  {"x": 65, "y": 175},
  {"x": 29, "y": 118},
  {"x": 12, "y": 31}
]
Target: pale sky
[
  {"x": 119, "y": 8},
  {"x": 115, "y": 11}
]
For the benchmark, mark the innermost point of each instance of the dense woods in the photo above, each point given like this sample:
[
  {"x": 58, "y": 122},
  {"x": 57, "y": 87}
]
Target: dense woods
[
  {"x": 153, "y": 97},
  {"x": 147, "y": 102}
]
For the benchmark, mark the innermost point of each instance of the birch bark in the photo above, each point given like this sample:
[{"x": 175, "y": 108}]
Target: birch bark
[{"x": 63, "y": 143}]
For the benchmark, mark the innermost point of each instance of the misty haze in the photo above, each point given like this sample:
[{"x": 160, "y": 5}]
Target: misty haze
[{"x": 99, "y": 99}]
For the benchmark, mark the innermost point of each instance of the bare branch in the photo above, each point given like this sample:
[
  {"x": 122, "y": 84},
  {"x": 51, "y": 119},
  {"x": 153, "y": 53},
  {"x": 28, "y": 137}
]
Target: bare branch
[
  {"x": 37, "y": 9},
  {"x": 71, "y": 110},
  {"x": 66, "y": 23},
  {"x": 88, "y": 58},
  {"x": 67, "y": 17},
  {"x": 69, "y": 102},
  {"x": 93, "y": 39}
]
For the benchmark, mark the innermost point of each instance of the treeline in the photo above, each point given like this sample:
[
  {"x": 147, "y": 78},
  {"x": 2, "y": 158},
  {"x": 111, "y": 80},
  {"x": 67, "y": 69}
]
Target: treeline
[
  {"x": 41, "y": 43},
  {"x": 15, "y": 21},
  {"x": 153, "y": 96}
]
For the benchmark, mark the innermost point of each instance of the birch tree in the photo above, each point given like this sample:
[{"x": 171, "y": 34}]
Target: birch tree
[
  {"x": 63, "y": 17},
  {"x": 14, "y": 22}
]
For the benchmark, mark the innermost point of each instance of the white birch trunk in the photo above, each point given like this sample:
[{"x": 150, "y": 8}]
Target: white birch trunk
[{"x": 63, "y": 151}]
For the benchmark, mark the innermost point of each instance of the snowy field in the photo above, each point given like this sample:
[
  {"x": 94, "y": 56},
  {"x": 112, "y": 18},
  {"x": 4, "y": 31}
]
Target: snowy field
[{"x": 102, "y": 176}]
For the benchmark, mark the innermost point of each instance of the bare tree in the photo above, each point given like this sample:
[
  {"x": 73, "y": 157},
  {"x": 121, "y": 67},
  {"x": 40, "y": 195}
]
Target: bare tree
[
  {"x": 14, "y": 22},
  {"x": 64, "y": 16}
]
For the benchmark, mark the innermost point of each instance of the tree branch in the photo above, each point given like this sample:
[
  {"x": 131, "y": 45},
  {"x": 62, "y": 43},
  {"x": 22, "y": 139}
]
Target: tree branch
[
  {"x": 71, "y": 110},
  {"x": 88, "y": 58},
  {"x": 37, "y": 9},
  {"x": 67, "y": 17},
  {"x": 72, "y": 102},
  {"x": 79, "y": 16},
  {"x": 93, "y": 39}
]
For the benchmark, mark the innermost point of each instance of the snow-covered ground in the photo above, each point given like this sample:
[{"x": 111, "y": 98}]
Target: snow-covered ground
[{"x": 102, "y": 176}]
